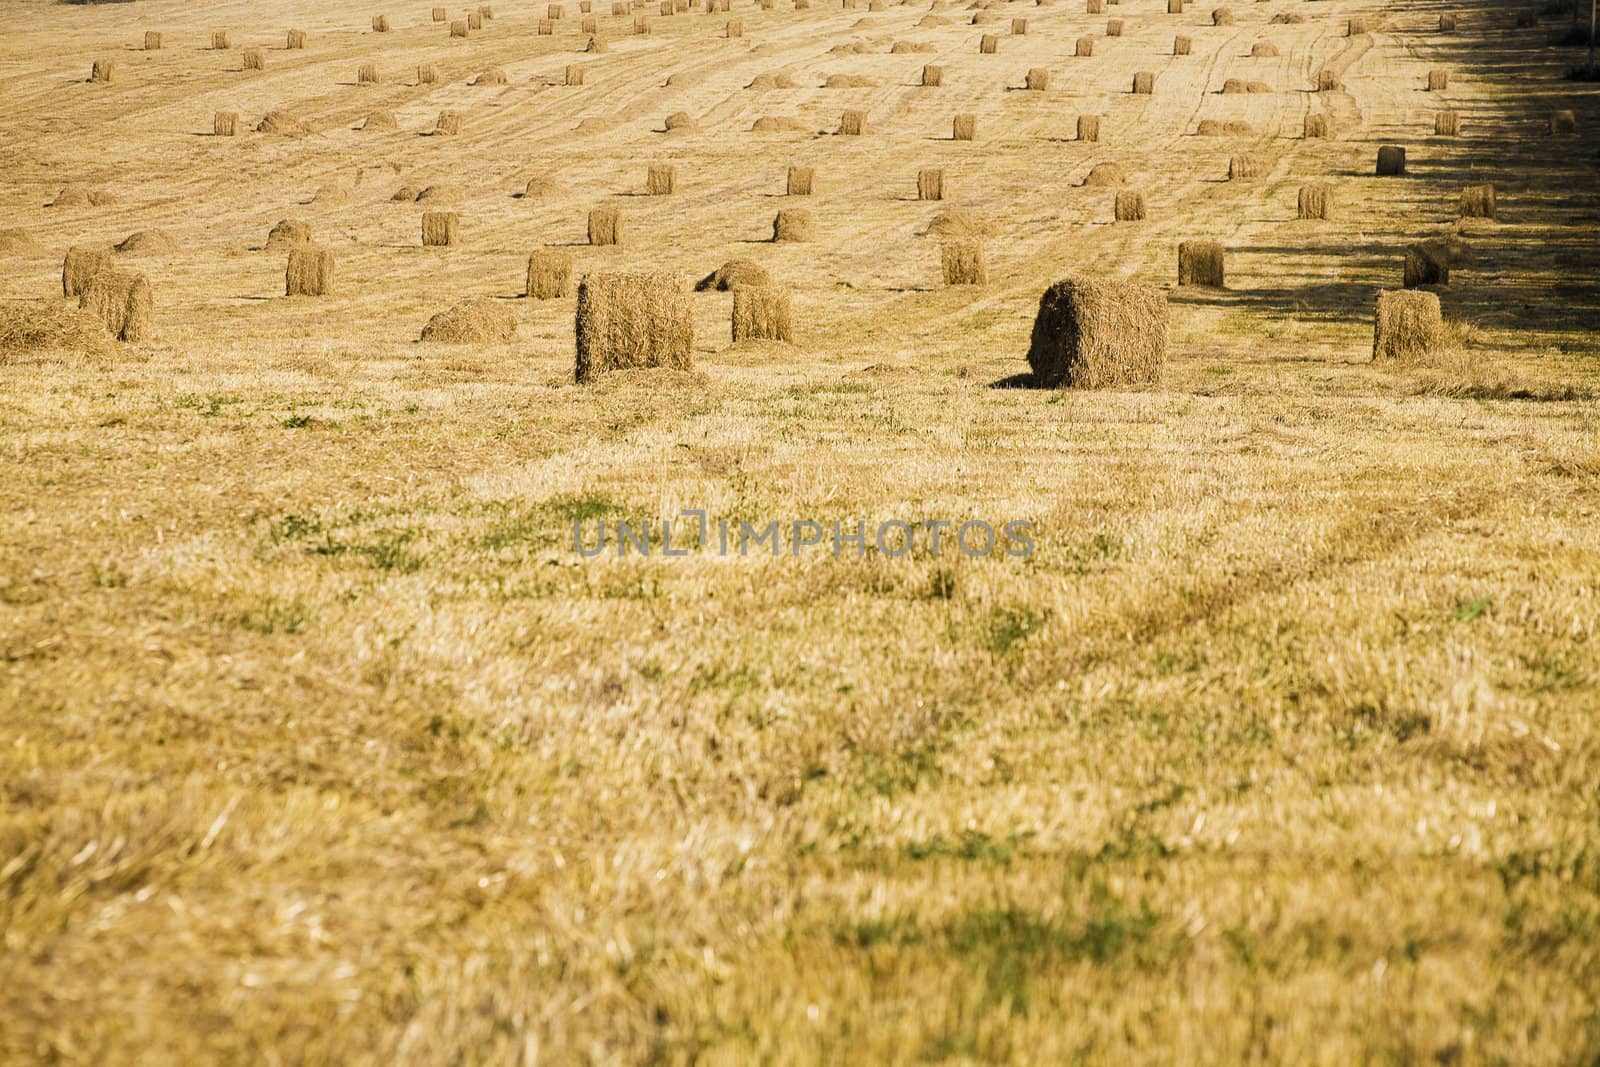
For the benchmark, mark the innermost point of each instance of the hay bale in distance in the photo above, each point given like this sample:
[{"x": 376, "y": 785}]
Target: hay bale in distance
[
  {"x": 1085, "y": 46},
  {"x": 1144, "y": 83},
  {"x": 147, "y": 243},
  {"x": 932, "y": 76},
  {"x": 1104, "y": 176},
  {"x": 1038, "y": 80},
  {"x": 440, "y": 15},
  {"x": 295, "y": 40},
  {"x": 964, "y": 261},
  {"x": 309, "y": 271},
  {"x": 474, "y": 20},
  {"x": 253, "y": 59},
  {"x": 492, "y": 76},
  {"x": 448, "y": 124},
  {"x": 123, "y": 301},
  {"x": 476, "y": 320},
  {"x": 679, "y": 120},
  {"x": 152, "y": 41},
  {"x": 1356, "y": 27},
  {"x": 440, "y": 229},
  {"x": 661, "y": 179},
  {"x": 1391, "y": 160},
  {"x": 574, "y": 75},
  {"x": 380, "y": 24},
  {"x": 1264, "y": 50},
  {"x": 1327, "y": 82},
  {"x": 1477, "y": 202},
  {"x": 102, "y": 70},
  {"x": 930, "y": 183},
  {"x": 605, "y": 226},
  {"x": 225, "y": 124},
  {"x": 732, "y": 274},
  {"x": 964, "y": 128},
  {"x": 1447, "y": 23},
  {"x": 762, "y": 313},
  {"x": 1222, "y": 17},
  {"x": 377, "y": 121},
  {"x": 1446, "y": 123},
  {"x": 1089, "y": 127},
  {"x": 1425, "y": 264},
  {"x": 1316, "y": 201},
  {"x": 286, "y": 233},
  {"x": 458, "y": 28},
  {"x": 1200, "y": 263},
  {"x": 1128, "y": 206},
  {"x": 1243, "y": 168},
  {"x": 1114, "y": 28},
  {"x": 1092, "y": 333},
  {"x": 1438, "y": 80},
  {"x": 80, "y": 265},
  {"x": 988, "y": 44},
  {"x": 800, "y": 180},
  {"x": 1181, "y": 45},
  {"x": 549, "y": 275},
  {"x": 221, "y": 40},
  {"x": 1407, "y": 325},
  {"x": 853, "y": 123},
  {"x": 1174, "y": 7},
  {"x": 628, "y": 320},
  {"x": 792, "y": 224},
  {"x": 1318, "y": 126},
  {"x": 367, "y": 74},
  {"x": 735, "y": 28},
  {"x": 1563, "y": 121},
  {"x": 1095, "y": 7}
]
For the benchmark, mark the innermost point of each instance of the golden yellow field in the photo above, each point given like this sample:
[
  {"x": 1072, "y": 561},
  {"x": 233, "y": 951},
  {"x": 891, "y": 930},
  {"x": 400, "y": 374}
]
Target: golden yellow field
[{"x": 320, "y": 743}]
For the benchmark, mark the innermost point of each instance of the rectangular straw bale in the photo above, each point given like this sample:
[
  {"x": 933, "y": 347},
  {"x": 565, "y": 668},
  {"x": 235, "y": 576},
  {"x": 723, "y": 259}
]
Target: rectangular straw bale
[{"x": 629, "y": 320}]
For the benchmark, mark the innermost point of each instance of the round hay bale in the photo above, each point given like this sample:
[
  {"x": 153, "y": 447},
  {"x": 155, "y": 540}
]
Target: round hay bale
[
  {"x": 1447, "y": 23},
  {"x": 1426, "y": 263},
  {"x": 1128, "y": 206},
  {"x": 253, "y": 59},
  {"x": 1264, "y": 50},
  {"x": 777, "y": 124},
  {"x": 309, "y": 271},
  {"x": 380, "y": 24},
  {"x": 1144, "y": 83},
  {"x": 1244, "y": 168},
  {"x": 1407, "y": 325},
  {"x": 367, "y": 74},
  {"x": 148, "y": 243},
  {"x": 549, "y": 275},
  {"x": 102, "y": 70},
  {"x": 988, "y": 44},
  {"x": 767, "y": 82},
  {"x": 1317, "y": 126},
  {"x": 1181, "y": 45},
  {"x": 932, "y": 76},
  {"x": 538, "y": 186},
  {"x": 930, "y": 183},
  {"x": 963, "y": 261},
  {"x": 221, "y": 40},
  {"x": 448, "y": 124},
  {"x": 427, "y": 74},
  {"x": 406, "y": 194},
  {"x": 1477, "y": 202},
  {"x": 679, "y": 120},
  {"x": 632, "y": 320},
  {"x": 1446, "y": 123},
  {"x": 474, "y": 321},
  {"x": 492, "y": 76},
  {"x": 853, "y": 123},
  {"x": 81, "y": 264},
  {"x": 1114, "y": 28},
  {"x": 1315, "y": 201},
  {"x": 957, "y": 222},
  {"x": 848, "y": 81},
  {"x": 441, "y": 193},
  {"x": 1391, "y": 160},
  {"x": 1092, "y": 333},
  {"x": 283, "y": 124},
  {"x": 1038, "y": 80},
  {"x": 225, "y": 124},
  {"x": 440, "y": 229},
  {"x": 378, "y": 121},
  {"x": 1089, "y": 127},
  {"x": 661, "y": 179},
  {"x": 152, "y": 41},
  {"x": 1104, "y": 175},
  {"x": 605, "y": 226},
  {"x": 735, "y": 272},
  {"x": 1222, "y": 17},
  {"x": 792, "y": 224},
  {"x": 573, "y": 75},
  {"x": 964, "y": 128},
  {"x": 800, "y": 180},
  {"x": 762, "y": 313},
  {"x": 20, "y": 244},
  {"x": 295, "y": 40},
  {"x": 1085, "y": 46},
  {"x": 1327, "y": 82},
  {"x": 31, "y": 329},
  {"x": 1200, "y": 263},
  {"x": 900, "y": 48},
  {"x": 1438, "y": 80},
  {"x": 123, "y": 301},
  {"x": 286, "y": 233}
]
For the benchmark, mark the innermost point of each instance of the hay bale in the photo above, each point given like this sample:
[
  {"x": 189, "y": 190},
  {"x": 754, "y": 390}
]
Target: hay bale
[
  {"x": 1092, "y": 333},
  {"x": 538, "y": 186},
  {"x": 964, "y": 261},
  {"x": 988, "y": 44},
  {"x": 627, "y": 320},
  {"x": 777, "y": 124},
  {"x": 225, "y": 124},
  {"x": 767, "y": 82},
  {"x": 1234, "y": 85},
  {"x": 123, "y": 301},
  {"x": 853, "y": 123},
  {"x": 1174, "y": 7},
  {"x": 1019, "y": 27},
  {"x": 1426, "y": 264},
  {"x": 378, "y": 121},
  {"x": 762, "y": 313},
  {"x": 1327, "y": 82},
  {"x": 605, "y": 226},
  {"x": 1264, "y": 50},
  {"x": 1104, "y": 176},
  {"x": 253, "y": 59},
  {"x": 367, "y": 74},
  {"x": 801, "y": 180},
  {"x": 667, "y": 8},
  {"x": 964, "y": 128},
  {"x": 848, "y": 81},
  {"x": 380, "y": 24},
  {"x": 1144, "y": 83},
  {"x": 731, "y": 275},
  {"x": 427, "y": 74},
  {"x": 1200, "y": 263},
  {"x": 1128, "y": 206},
  {"x": 1447, "y": 23},
  {"x": 1038, "y": 80},
  {"x": 147, "y": 243},
  {"x": 102, "y": 70},
  {"x": 1287, "y": 18},
  {"x": 309, "y": 271},
  {"x": 405, "y": 194},
  {"x": 439, "y": 14},
  {"x": 932, "y": 75},
  {"x": 20, "y": 244},
  {"x": 588, "y": 26},
  {"x": 735, "y": 28},
  {"x": 1114, "y": 28},
  {"x": 458, "y": 28},
  {"x": 440, "y": 229},
  {"x": 152, "y": 41},
  {"x": 474, "y": 20},
  {"x": 554, "y": 12},
  {"x": 1222, "y": 17},
  {"x": 1356, "y": 27},
  {"x": 1316, "y": 201},
  {"x": 1318, "y": 126},
  {"x": 221, "y": 40},
  {"x": 1222, "y": 128},
  {"x": 1244, "y": 168},
  {"x": 77, "y": 194},
  {"x": 679, "y": 120},
  {"x": 549, "y": 275},
  {"x": 930, "y": 183},
  {"x": 440, "y": 193},
  {"x": 448, "y": 124},
  {"x": 1477, "y": 202},
  {"x": 1438, "y": 80},
  {"x": 80, "y": 265},
  {"x": 661, "y": 179},
  {"x": 958, "y": 223},
  {"x": 492, "y": 76},
  {"x": 476, "y": 320},
  {"x": 1446, "y": 123},
  {"x": 596, "y": 46},
  {"x": 574, "y": 75},
  {"x": 30, "y": 328},
  {"x": 1095, "y": 7},
  {"x": 545, "y": 28},
  {"x": 1181, "y": 45},
  {"x": 287, "y": 233},
  {"x": 295, "y": 40},
  {"x": 792, "y": 224},
  {"x": 1391, "y": 160},
  {"x": 641, "y": 25},
  {"x": 1563, "y": 121},
  {"x": 1406, "y": 325},
  {"x": 1085, "y": 46},
  {"x": 1089, "y": 127},
  {"x": 485, "y": 12}
]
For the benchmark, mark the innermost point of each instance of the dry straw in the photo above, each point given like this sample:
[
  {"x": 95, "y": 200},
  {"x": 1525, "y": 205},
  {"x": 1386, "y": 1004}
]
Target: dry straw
[
  {"x": 627, "y": 320},
  {"x": 762, "y": 313},
  {"x": 1114, "y": 28},
  {"x": 1244, "y": 168},
  {"x": 732, "y": 275},
  {"x": 667, "y": 8},
  {"x": 474, "y": 321},
  {"x": 380, "y": 24},
  {"x": 1019, "y": 27},
  {"x": 735, "y": 28},
  {"x": 1096, "y": 7},
  {"x": 605, "y": 226},
  {"x": 964, "y": 128},
  {"x": 930, "y": 183},
  {"x": 595, "y": 46},
  {"x": 80, "y": 265},
  {"x": 1088, "y": 127},
  {"x": 588, "y": 26},
  {"x": 1438, "y": 80},
  {"x": 555, "y": 11},
  {"x": 1318, "y": 126},
  {"x": 440, "y": 229},
  {"x": 152, "y": 41},
  {"x": 988, "y": 44},
  {"x": 1093, "y": 333},
  {"x": 1104, "y": 175},
  {"x": 1200, "y": 263},
  {"x": 367, "y": 74},
  {"x": 1316, "y": 201},
  {"x": 932, "y": 75},
  {"x": 545, "y": 28},
  {"x": 1038, "y": 79},
  {"x": 225, "y": 124},
  {"x": 1391, "y": 160},
  {"x": 1327, "y": 81},
  {"x": 549, "y": 275},
  {"x": 427, "y": 74},
  {"x": 661, "y": 179},
  {"x": 102, "y": 70},
  {"x": 574, "y": 75},
  {"x": 221, "y": 40},
  {"x": 619, "y": 9},
  {"x": 853, "y": 123},
  {"x": 792, "y": 224},
  {"x": 123, "y": 301},
  {"x": 310, "y": 271},
  {"x": 287, "y": 233},
  {"x": 493, "y": 76},
  {"x": 1477, "y": 202},
  {"x": 380, "y": 120},
  {"x": 295, "y": 40},
  {"x": 1447, "y": 23},
  {"x": 1144, "y": 83},
  {"x": 474, "y": 20},
  {"x": 678, "y": 120},
  {"x": 1406, "y": 326},
  {"x": 1128, "y": 206},
  {"x": 458, "y": 28},
  {"x": 1222, "y": 17},
  {"x": 641, "y": 25},
  {"x": 1174, "y": 7},
  {"x": 1264, "y": 50},
  {"x": 1447, "y": 123},
  {"x": 1425, "y": 264},
  {"x": 801, "y": 180},
  {"x": 1356, "y": 27},
  {"x": 448, "y": 123},
  {"x": 439, "y": 14},
  {"x": 964, "y": 262},
  {"x": 1181, "y": 45},
  {"x": 1563, "y": 121},
  {"x": 485, "y": 12}
]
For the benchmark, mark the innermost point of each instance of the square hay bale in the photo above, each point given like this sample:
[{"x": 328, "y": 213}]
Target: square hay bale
[
  {"x": 667, "y": 8},
  {"x": 1114, "y": 28},
  {"x": 1201, "y": 263},
  {"x": 1447, "y": 23},
  {"x": 1089, "y": 127},
  {"x": 1222, "y": 17},
  {"x": 988, "y": 44},
  {"x": 735, "y": 28},
  {"x": 1316, "y": 201},
  {"x": 1406, "y": 325},
  {"x": 448, "y": 124},
  {"x": 1096, "y": 7},
  {"x": 440, "y": 229},
  {"x": 628, "y": 320},
  {"x": 1085, "y": 46},
  {"x": 1425, "y": 264},
  {"x": 661, "y": 179},
  {"x": 1019, "y": 27},
  {"x": 427, "y": 74},
  {"x": 589, "y": 26},
  {"x": 1092, "y": 333},
  {"x": 123, "y": 301},
  {"x": 793, "y": 224},
  {"x": 225, "y": 124},
  {"x": 221, "y": 40},
  {"x": 439, "y": 14},
  {"x": 549, "y": 275},
  {"x": 367, "y": 74},
  {"x": 932, "y": 75},
  {"x": 380, "y": 24},
  {"x": 964, "y": 262},
  {"x": 800, "y": 180},
  {"x": 1327, "y": 82},
  {"x": 152, "y": 41},
  {"x": 853, "y": 123},
  {"x": 102, "y": 70},
  {"x": 1563, "y": 121},
  {"x": 1244, "y": 168},
  {"x": 585, "y": 6},
  {"x": 1038, "y": 80},
  {"x": 964, "y": 128},
  {"x": 1391, "y": 160},
  {"x": 930, "y": 183},
  {"x": 1144, "y": 83},
  {"x": 1174, "y": 7},
  {"x": 605, "y": 226},
  {"x": 762, "y": 313},
  {"x": 80, "y": 265},
  {"x": 295, "y": 40},
  {"x": 309, "y": 273},
  {"x": 1128, "y": 206},
  {"x": 1181, "y": 45},
  {"x": 545, "y": 28},
  {"x": 459, "y": 28},
  {"x": 474, "y": 20},
  {"x": 1438, "y": 80},
  {"x": 1477, "y": 202},
  {"x": 1446, "y": 123},
  {"x": 254, "y": 59},
  {"x": 574, "y": 75},
  {"x": 1317, "y": 127},
  {"x": 641, "y": 25}
]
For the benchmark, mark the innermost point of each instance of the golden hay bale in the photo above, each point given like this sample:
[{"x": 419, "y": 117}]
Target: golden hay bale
[
  {"x": 661, "y": 179},
  {"x": 958, "y": 223},
  {"x": 1088, "y": 127},
  {"x": 1327, "y": 81},
  {"x": 1447, "y": 23},
  {"x": 485, "y": 12},
  {"x": 220, "y": 40},
  {"x": 440, "y": 193},
  {"x": 539, "y": 185},
  {"x": 1128, "y": 206},
  {"x": 848, "y": 81},
  {"x": 474, "y": 20},
  {"x": 367, "y": 74},
  {"x": 1356, "y": 27},
  {"x": 1019, "y": 27},
  {"x": 678, "y": 120},
  {"x": 1096, "y": 7},
  {"x": 1244, "y": 168},
  {"x": 1477, "y": 202},
  {"x": 765, "y": 82},
  {"x": 102, "y": 70},
  {"x": 735, "y": 28},
  {"x": 253, "y": 59},
  {"x": 792, "y": 224},
  {"x": 448, "y": 124},
  {"x": 930, "y": 183},
  {"x": 20, "y": 244},
  {"x": 1104, "y": 175},
  {"x": 1091, "y": 333},
  {"x": 988, "y": 44},
  {"x": 1406, "y": 325},
  {"x": 595, "y": 46},
  {"x": 620, "y": 9},
  {"x": 1114, "y": 28},
  {"x": 801, "y": 180},
  {"x": 641, "y": 24},
  {"x": 1391, "y": 160},
  {"x": 546, "y": 28},
  {"x": 80, "y": 265},
  {"x": 1181, "y": 46},
  {"x": 667, "y": 8},
  {"x": 1144, "y": 83},
  {"x": 380, "y": 120},
  {"x": 152, "y": 41},
  {"x": 932, "y": 75},
  {"x": 380, "y": 24},
  {"x": 1426, "y": 264},
  {"x": 1446, "y": 123},
  {"x": 1318, "y": 126},
  {"x": 1287, "y": 18},
  {"x": 554, "y": 12},
  {"x": 225, "y": 124},
  {"x": 295, "y": 40},
  {"x": 589, "y": 26},
  {"x": 147, "y": 243},
  {"x": 777, "y": 124},
  {"x": 853, "y": 123},
  {"x": 964, "y": 261},
  {"x": 1563, "y": 121},
  {"x": 405, "y": 194},
  {"x": 458, "y": 28},
  {"x": 77, "y": 194},
  {"x": 476, "y": 320},
  {"x": 762, "y": 313},
  {"x": 964, "y": 128},
  {"x": 123, "y": 301},
  {"x": 493, "y": 76},
  {"x": 732, "y": 274},
  {"x": 1222, "y": 17},
  {"x": 1222, "y": 128},
  {"x": 549, "y": 275},
  {"x": 1174, "y": 7},
  {"x": 1200, "y": 263},
  {"x": 439, "y": 14},
  {"x": 1234, "y": 85},
  {"x": 440, "y": 229},
  {"x": 1038, "y": 80},
  {"x": 605, "y": 226},
  {"x": 287, "y": 233},
  {"x": 1438, "y": 80},
  {"x": 900, "y": 48},
  {"x": 1264, "y": 50},
  {"x": 627, "y": 320},
  {"x": 309, "y": 271},
  {"x": 574, "y": 75},
  {"x": 29, "y": 328},
  {"x": 1316, "y": 201},
  {"x": 1085, "y": 46}
]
